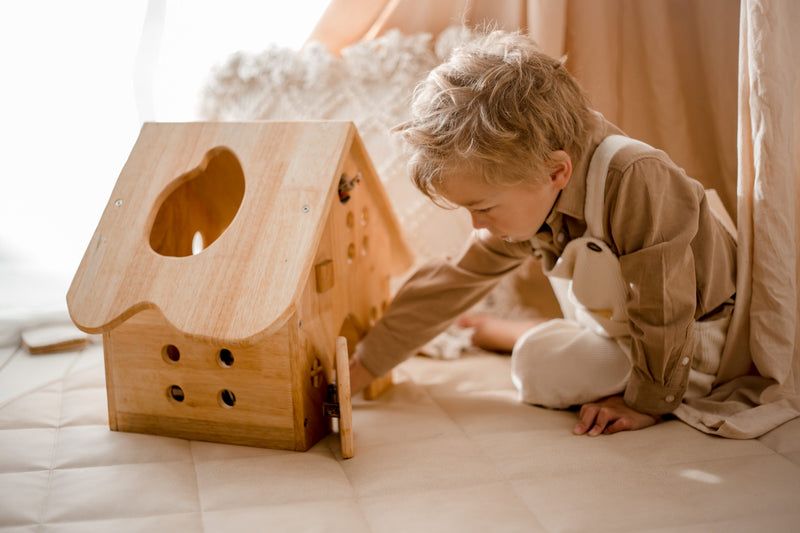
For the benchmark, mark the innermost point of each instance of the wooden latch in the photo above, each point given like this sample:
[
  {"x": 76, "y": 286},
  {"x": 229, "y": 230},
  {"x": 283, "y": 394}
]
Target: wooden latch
[{"x": 331, "y": 405}]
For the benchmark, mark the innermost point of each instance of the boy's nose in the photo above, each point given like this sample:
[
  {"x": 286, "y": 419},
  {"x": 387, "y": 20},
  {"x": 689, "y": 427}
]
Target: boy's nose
[{"x": 478, "y": 222}]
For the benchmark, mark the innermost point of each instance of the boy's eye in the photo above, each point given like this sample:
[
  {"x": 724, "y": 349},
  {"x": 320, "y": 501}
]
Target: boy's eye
[{"x": 481, "y": 210}]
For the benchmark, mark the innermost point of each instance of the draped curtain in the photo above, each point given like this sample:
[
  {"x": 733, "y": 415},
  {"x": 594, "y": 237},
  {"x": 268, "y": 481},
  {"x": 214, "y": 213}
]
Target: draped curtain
[
  {"x": 769, "y": 191},
  {"x": 716, "y": 84}
]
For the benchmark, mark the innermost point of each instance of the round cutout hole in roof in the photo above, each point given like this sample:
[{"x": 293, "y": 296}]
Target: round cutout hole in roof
[{"x": 201, "y": 207}]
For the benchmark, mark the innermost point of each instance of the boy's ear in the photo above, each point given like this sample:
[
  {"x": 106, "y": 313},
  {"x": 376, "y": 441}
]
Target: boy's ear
[{"x": 560, "y": 168}]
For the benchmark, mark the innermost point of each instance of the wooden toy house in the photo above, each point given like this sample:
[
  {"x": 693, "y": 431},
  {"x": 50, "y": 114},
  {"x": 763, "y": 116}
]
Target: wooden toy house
[{"x": 227, "y": 262}]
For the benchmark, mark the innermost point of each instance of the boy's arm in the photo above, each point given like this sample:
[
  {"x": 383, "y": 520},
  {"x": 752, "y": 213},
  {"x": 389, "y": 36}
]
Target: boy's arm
[
  {"x": 653, "y": 219},
  {"x": 435, "y": 296}
]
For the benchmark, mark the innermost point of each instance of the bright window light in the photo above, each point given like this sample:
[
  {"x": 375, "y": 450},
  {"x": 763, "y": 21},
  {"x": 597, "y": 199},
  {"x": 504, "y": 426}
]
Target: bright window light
[
  {"x": 200, "y": 34},
  {"x": 74, "y": 97},
  {"x": 701, "y": 476}
]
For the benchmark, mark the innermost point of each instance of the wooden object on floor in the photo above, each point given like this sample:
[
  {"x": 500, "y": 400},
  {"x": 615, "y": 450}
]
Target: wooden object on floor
[
  {"x": 53, "y": 339},
  {"x": 222, "y": 271}
]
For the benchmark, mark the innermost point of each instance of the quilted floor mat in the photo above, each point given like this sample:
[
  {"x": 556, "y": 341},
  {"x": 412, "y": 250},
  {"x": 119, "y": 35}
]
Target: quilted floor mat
[{"x": 448, "y": 448}]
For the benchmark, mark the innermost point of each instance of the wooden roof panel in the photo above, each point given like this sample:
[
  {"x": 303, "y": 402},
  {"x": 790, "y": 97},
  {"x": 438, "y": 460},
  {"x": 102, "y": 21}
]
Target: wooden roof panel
[{"x": 247, "y": 279}]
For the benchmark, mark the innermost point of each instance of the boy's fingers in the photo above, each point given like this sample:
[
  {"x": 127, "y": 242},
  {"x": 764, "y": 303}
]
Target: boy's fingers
[
  {"x": 610, "y": 416},
  {"x": 587, "y": 415},
  {"x": 622, "y": 424},
  {"x": 588, "y": 412},
  {"x": 580, "y": 428},
  {"x": 605, "y": 416},
  {"x": 598, "y": 427}
]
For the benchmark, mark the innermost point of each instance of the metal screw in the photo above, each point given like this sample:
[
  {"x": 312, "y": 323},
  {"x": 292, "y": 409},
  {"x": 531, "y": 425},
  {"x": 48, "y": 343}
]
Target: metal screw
[
  {"x": 118, "y": 203},
  {"x": 306, "y": 208}
]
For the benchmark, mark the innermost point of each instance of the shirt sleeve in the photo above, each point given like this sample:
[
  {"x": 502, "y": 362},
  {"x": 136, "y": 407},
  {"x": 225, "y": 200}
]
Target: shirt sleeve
[
  {"x": 653, "y": 217},
  {"x": 434, "y": 296}
]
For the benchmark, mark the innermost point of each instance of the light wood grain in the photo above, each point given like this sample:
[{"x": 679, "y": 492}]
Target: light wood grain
[
  {"x": 110, "y": 383},
  {"x": 402, "y": 258},
  {"x": 247, "y": 279},
  {"x": 142, "y": 373},
  {"x": 345, "y": 405},
  {"x": 241, "y": 332},
  {"x": 324, "y": 275},
  {"x": 205, "y": 201}
]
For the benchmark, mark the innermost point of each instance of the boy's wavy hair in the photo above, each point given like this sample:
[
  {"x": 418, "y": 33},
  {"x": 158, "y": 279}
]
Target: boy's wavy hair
[{"x": 498, "y": 106}]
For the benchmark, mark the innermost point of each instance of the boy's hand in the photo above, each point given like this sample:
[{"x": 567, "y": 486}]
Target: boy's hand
[
  {"x": 611, "y": 415},
  {"x": 360, "y": 377}
]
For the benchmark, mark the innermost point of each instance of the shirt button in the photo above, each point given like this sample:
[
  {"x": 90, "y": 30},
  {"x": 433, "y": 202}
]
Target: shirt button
[
  {"x": 685, "y": 361},
  {"x": 561, "y": 237},
  {"x": 670, "y": 398}
]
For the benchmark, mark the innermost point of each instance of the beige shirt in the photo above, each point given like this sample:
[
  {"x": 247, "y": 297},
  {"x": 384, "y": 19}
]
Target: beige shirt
[{"x": 678, "y": 261}]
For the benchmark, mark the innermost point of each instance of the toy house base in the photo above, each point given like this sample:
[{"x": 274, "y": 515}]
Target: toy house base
[
  {"x": 163, "y": 382},
  {"x": 228, "y": 261}
]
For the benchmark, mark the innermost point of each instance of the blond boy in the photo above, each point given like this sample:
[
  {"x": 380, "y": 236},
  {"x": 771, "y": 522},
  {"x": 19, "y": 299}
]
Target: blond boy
[{"x": 644, "y": 271}]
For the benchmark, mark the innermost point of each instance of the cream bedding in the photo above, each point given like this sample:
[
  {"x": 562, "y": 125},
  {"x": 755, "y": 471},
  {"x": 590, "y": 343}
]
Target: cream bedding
[{"x": 449, "y": 448}]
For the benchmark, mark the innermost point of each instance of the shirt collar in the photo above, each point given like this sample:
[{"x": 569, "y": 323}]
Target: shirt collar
[{"x": 571, "y": 201}]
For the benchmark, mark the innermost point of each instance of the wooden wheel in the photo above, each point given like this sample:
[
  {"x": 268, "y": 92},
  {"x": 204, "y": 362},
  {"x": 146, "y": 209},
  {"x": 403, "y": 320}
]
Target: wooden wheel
[{"x": 343, "y": 392}]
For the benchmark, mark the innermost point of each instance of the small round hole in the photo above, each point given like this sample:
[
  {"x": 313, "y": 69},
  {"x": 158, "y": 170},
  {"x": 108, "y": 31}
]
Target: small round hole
[
  {"x": 227, "y": 398},
  {"x": 365, "y": 246},
  {"x": 225, "y": 358},
  {"x": 170, "y": 353},
  {"x": 350, "y": 220},
  {"x": 364, "y": 216},
  {"x": 351, "y": 252},
  {"x": 175, "y": 393}
]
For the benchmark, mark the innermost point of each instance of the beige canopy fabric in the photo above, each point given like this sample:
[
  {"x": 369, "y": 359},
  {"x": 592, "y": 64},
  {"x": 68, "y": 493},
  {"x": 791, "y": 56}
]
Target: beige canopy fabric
[
  {"x": 665, "y": 71},
  {"x": 764, "y": 328}
]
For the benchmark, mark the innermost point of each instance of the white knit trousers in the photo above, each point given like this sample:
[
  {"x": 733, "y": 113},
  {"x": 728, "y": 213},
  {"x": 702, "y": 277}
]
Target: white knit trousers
[{"x": 561, "y": 363}]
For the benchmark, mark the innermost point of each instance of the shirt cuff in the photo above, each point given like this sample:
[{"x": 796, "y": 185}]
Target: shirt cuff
[{"x": 652, "y": 398}]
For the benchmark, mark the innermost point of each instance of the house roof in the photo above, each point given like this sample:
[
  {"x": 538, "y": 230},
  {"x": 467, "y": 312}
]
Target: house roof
[{"x": 246, "y": 282}]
